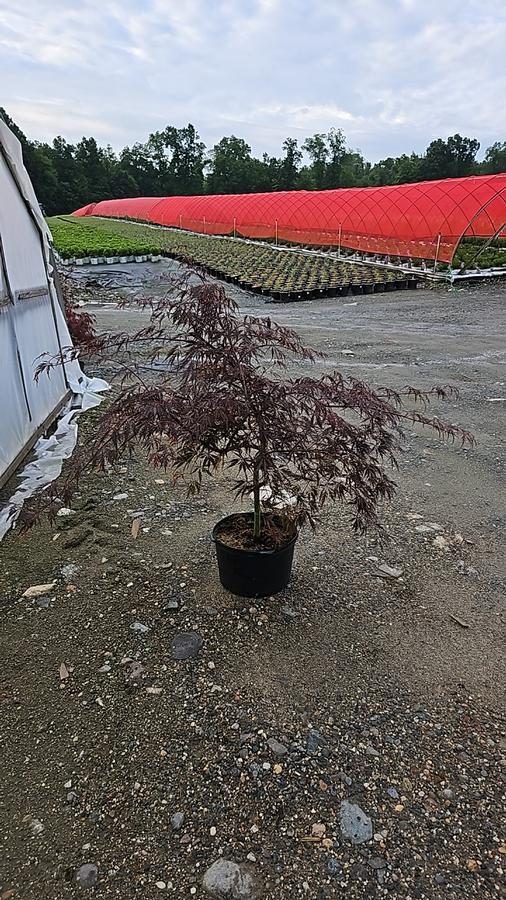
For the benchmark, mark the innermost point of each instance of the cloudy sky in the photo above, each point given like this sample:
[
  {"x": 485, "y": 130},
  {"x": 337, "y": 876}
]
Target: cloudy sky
[{"x": 393, "y": 74}]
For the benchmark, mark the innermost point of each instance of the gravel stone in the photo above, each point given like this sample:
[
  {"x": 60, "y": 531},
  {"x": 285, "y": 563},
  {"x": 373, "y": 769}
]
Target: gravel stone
[
  {"x": 139, "y": 627},
  {"x": 186, "y": 645},
  {"x": 177, "y": 820},
  {"x": 315, "y": 741},
  {"x": 87, "y": 876},
  {"x": 371, "y": 751},
  {"x": 170, "y": 606},
  {"x": 35, "y": 825},
  {"x": 289, "y": 612},
  {"x": 135, "y": 673},
  {"x": 355, "y": 825},
  {"x": 69, "y": 571},
  {"x": 277, "y": 748},
  {"x": 377, "y": 862},
  {"x": 334, "y": 867},
  {"x": 231, "y": 881},
  {"x": 386, "y": 571}
]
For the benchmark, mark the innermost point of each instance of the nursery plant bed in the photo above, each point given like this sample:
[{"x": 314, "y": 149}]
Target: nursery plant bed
[{"x": 284, "y": 276}]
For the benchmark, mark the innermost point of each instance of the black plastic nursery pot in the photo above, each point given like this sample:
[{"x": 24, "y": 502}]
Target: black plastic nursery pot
[{"x": 252, "y": 572}]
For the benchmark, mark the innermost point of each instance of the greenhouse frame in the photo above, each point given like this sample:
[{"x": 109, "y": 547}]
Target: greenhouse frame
[{"x": 426, "y": 220}]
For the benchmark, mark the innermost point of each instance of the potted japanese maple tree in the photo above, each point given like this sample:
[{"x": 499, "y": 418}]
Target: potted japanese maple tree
[{"x": 221, "y": 401}]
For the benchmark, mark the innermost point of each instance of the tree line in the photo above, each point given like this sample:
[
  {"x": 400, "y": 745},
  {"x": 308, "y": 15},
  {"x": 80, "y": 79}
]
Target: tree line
[{"x": 175, "y": 161}]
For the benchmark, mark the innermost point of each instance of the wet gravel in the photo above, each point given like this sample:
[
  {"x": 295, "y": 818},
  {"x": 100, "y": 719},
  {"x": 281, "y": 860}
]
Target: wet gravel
[{"x": 150, "y": 767}]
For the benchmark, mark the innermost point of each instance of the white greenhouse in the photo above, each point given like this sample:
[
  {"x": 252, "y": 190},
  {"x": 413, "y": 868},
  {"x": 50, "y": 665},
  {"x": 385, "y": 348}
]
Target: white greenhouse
[{"x": 32, "y": 323}]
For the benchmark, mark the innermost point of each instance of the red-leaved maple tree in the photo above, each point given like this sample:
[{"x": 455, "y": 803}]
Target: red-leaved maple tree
[{"x": 205, "y": 389}]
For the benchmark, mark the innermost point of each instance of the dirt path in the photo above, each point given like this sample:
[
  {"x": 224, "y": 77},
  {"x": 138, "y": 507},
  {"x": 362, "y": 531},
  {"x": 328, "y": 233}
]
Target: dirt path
[{"x": 377, "y": 692}]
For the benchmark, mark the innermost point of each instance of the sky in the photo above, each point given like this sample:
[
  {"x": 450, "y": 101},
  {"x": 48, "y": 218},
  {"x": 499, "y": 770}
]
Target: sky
[{"x": 392, "y": 74}]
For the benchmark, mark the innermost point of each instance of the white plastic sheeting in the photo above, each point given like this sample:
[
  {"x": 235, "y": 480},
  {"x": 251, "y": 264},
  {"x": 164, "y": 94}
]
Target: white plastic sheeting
[
  {"x": 50, "y": 453},
  {"x": 31, "y": 324}
]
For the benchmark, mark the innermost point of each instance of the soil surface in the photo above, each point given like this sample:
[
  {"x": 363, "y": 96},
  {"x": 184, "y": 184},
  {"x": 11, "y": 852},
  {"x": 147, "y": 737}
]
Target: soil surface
[
  {"x": 344, "y": 738},
  {"x": 237, "y": 532}
]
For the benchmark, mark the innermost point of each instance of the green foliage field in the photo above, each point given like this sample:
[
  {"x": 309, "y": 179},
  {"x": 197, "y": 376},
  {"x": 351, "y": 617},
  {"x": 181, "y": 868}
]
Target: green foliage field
[
  {"x": 494, "y": 255},
  {"x": 78, "y": 238}
]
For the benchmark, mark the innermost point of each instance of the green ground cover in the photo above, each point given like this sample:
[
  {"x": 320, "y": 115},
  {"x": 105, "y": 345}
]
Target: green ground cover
[{"x": 492, "y": 256}]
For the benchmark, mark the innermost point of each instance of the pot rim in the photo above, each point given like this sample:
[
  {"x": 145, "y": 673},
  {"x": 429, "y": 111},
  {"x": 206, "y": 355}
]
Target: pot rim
[{"x": 251, "y": 550}]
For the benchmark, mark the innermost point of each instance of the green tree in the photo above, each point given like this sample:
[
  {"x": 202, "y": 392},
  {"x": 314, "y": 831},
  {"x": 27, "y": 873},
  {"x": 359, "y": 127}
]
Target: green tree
[
  {"x": 123, "y": 184},
  {"x": 408, "y": 168},
  {"x": 39, "y": 164},
  {"x": 318, "y": 152},
  {"x": 95, "y": 164},
  {"x": 382, "y": 172},
  {"x": 453, "y": 158},
  {"x": 71, "y": 190},
  {"x": 187, "y": 165},
  {"x": 394, "y": 170},
  {"x": 178, "y": 158},
  {"x": 137, "y": 164},
  {"x": 354, "y": 170},
  {"x": 336, "y": 144},
  {"x": 495, "y": 159},
  {"x": 230, "y": 167},
  {"x": 288, "y": 165},
  {"x": 305, "y": 180}
]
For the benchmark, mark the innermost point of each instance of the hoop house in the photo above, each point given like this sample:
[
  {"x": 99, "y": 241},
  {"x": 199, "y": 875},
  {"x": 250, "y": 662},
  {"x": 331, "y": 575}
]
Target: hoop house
[
  {"x": 425, "y": 220},
  {"x": 32, "y": 326}
]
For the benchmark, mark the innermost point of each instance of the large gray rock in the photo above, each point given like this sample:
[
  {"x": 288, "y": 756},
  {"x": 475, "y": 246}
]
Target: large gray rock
[
  {"x": 355, "y": 825},
  {"x": 186, "y": 644},
  {"x": 87, "y": 875},
  {"x": 228, "y": 880}
]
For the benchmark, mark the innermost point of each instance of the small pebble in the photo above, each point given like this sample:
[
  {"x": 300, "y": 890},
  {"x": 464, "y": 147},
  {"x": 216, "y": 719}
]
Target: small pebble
[{"x": 177, "y": 820}]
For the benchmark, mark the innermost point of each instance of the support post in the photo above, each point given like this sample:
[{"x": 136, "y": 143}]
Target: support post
[
  {"x": 235, "y": 230},
  {"x": 339, "y": 240},
  {"x": 437, "y": 252},
  {"x": 276, "y": 231}
]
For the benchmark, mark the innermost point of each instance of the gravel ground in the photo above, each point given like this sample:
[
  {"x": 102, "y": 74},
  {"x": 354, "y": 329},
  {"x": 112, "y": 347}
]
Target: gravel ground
[{"x": 351, "y": 687}]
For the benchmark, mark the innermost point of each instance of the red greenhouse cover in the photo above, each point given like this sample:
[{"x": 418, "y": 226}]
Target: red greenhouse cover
[
  {"x": 424, "y": 220},
  {"x": 85, "y": 210}
]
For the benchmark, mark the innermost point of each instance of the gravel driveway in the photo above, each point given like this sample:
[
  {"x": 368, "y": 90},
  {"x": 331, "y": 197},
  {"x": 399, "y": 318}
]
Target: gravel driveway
[{"x": 341, "y": 739}]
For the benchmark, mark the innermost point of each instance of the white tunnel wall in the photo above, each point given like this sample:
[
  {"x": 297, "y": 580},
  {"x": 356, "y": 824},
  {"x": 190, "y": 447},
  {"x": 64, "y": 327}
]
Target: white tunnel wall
[{"x": 27, "y": 324}]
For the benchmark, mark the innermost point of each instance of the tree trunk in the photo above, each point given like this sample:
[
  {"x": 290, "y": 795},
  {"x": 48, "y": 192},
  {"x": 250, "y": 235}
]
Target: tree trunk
[{"x": 257, "y": 520}]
